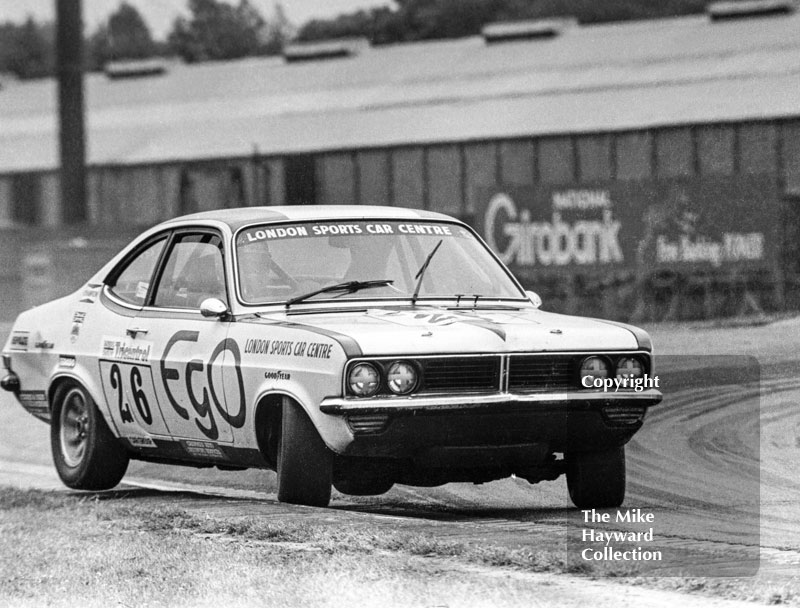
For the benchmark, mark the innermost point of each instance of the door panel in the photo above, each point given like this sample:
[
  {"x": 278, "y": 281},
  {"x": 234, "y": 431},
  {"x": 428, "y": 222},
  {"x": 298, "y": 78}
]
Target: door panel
[
  {"x": 124, "y": 357},
  {"x": 188, "y": 376},
  {"x": 190, "y": 349}
]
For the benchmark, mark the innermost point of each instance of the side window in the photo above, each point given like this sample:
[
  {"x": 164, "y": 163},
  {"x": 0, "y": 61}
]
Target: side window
[
  {"x": 133, "y": 282},
  {"x": 192, "y": 273}
]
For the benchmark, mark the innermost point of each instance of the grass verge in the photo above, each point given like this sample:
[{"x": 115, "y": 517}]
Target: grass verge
[
  {"x": 61, "y": 550},
  {"x": 58, "y": 550}
]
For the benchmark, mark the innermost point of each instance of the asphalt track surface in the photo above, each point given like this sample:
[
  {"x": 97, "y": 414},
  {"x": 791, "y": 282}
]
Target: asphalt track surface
[{"x": 716, "y": 464}]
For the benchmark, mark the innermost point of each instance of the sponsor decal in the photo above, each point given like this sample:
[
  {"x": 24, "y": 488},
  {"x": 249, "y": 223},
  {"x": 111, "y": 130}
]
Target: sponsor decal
[
  {"x": 318, "y": 350},
  {"x": 203, "y": 449},
  {"x": 19, "y": 340},
  {"x": 43, "y": 344},
  {"x": 256, "y": 346},
  {"x": 179, "y": 385},
  {"x": 275, "y": 233},
  {"x": 123, "y": 349},
  {"x": 67, "y": 362},
  {"x": 78, "y": 317},
  {"x": 141, "y": 289},
  {"x": 277, "y": 375},
  {"x": 267, "y": 233},
  {"x": 348, "y": 344},
  {"x": 90, "y": 293},
  {"x": 35, "y": 402},
  {"x": 412, "y": 319},
  {"x": 289, "y": 348},
  {"x": 139, "y": 441}
]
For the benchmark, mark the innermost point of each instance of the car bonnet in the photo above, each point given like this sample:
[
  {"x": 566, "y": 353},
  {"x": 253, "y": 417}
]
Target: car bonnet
[{"x": 423, "y": 330}]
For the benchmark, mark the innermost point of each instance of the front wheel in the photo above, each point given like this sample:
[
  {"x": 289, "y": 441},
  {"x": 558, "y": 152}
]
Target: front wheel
[
  {"x": 596, "y": 480},
  {"x": 86, "y": 454},
  {"x": 305, "y": 464}
]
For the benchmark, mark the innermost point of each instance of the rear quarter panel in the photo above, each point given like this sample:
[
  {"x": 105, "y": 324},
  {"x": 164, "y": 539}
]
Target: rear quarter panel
[{"x": 59, "y": 345}]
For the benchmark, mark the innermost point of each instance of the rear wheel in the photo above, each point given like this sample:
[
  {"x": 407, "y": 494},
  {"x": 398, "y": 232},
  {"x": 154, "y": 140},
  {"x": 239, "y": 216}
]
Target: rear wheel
[
  {"x": 86, "y": 454},
  {"x": 305, "y": 464},
  {"x": 596, "y": 480}
]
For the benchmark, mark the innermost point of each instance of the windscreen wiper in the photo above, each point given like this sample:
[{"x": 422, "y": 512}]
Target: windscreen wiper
[
  {"x": 421, "y": 272},
  {"x": 346, "y": 287}
]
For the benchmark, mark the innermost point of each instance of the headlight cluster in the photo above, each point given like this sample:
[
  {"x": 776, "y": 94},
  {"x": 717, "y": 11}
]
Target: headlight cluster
[
  {"x": 368, "y": 378},
  {"x": 598, "y": 368}
]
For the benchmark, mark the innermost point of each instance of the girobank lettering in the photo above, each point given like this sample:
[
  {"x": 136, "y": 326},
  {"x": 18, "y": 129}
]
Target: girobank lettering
[{"x": 557, "y": 242}]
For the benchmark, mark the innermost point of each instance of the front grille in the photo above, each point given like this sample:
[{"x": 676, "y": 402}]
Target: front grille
[
  {"x": 535, "y": 373},
  {"x": 460, "y": 374},
  {"x": 524, "y": 373}
]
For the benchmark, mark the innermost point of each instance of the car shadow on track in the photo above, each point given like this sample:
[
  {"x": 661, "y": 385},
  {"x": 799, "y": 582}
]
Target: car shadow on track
[{"x": 121, "y": 494}]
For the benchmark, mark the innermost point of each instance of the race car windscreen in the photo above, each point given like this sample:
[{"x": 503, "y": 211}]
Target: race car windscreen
[{"x": 280, "y": 262}]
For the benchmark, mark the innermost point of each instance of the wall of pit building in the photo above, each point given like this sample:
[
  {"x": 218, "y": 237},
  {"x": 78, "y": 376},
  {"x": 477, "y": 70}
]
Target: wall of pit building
[{"x": 45, "y": 258}]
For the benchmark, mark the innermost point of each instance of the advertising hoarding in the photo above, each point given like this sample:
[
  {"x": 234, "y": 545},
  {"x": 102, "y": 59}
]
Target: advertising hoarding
[{"x": 684, "y": 225}]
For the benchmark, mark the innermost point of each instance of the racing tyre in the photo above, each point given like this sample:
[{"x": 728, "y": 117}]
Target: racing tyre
[
  {"x": 86, "y": 454},
  {"x": 596, "y": 480},
  {"x": 305, "y": 465}
]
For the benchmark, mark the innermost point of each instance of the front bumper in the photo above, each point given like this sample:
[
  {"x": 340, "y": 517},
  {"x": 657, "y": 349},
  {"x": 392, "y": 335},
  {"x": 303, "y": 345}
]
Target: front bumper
[
  {"x": 416, "y": 427},
  {"x": 491, "y": 401}
]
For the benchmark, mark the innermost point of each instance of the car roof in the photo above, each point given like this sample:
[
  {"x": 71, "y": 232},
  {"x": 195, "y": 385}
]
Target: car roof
[{"x": 244, "y": 216}]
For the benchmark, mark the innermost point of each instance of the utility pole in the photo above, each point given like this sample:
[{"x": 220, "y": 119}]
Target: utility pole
[{"x": 71, "y": 138}]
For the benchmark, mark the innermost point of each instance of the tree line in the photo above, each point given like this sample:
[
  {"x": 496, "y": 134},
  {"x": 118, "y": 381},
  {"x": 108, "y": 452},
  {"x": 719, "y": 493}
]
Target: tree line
[
  {"x": 434, "y": 19},
  {"x": 216, "y": 30},
  {"x": 213, "y": 30}
]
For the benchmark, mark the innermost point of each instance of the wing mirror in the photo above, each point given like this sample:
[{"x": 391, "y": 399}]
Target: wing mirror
[
  {"x": 214, "y": 307},
  {"x": 535, "y": 299}
]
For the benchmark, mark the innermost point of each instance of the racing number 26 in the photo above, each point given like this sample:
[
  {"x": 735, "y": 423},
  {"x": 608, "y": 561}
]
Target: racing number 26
[{"x": 139, "y": 398}]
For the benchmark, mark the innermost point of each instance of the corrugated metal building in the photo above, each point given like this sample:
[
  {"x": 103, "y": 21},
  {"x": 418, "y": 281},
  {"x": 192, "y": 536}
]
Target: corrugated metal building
[{"x": 590, "y": 158}]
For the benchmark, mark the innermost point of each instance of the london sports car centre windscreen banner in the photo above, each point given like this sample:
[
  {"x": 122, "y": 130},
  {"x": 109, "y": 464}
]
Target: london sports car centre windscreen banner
[{"x": 680, "y": 224}]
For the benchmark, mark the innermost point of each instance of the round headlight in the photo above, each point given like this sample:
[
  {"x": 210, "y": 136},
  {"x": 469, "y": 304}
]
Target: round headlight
[
  {"x": 594, "y": 367},
  {"x": 629, "y": 367},
  {"x": 364, "y": 380},
  {"x": 401, "y": 377}
]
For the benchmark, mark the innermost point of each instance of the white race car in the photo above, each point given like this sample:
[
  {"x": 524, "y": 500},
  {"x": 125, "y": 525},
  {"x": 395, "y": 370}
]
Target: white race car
[{"x": 350, "y": 346}]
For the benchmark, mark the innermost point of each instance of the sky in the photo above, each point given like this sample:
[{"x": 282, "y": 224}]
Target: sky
[{"x": 159, "y": 14}]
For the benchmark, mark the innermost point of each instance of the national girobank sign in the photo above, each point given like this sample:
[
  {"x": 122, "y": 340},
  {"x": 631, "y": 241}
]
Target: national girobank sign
[
  {"x": 558, "y": 240},
  {"x": 678, "y": 223}
]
